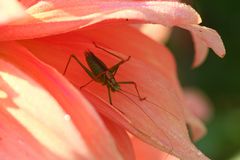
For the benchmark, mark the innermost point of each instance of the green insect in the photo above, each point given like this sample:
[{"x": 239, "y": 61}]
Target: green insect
[{"x": 99, "y": 72}]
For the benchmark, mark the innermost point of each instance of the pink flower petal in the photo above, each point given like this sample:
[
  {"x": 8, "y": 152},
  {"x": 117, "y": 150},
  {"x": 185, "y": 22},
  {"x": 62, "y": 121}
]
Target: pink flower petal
[
  {"x": 198, "y": 103},
  {"x": 122, "y": 140},
  {"x": 158, "y": 33},
  {"x": 33, "y": 127},
  {"x": 197, "y": 128},
  {"x": 144, "y": 151},
  {"x": 69, "y": 119},
  {"x": 159, "y": 120},
  {"x": 10, "y": 10},
  {"x": 197, "y": 108},
  {"x": 205, "y": 37},
  {"x": 28, "y": 3},
  {"x": 201, "y": 51},
  {"x": 55, "y": 17},
  {"x": 17, "y": 141}
]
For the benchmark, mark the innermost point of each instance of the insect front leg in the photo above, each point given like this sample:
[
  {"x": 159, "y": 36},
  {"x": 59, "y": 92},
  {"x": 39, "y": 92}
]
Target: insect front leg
[
  {"x": 135, "y": 85},
  {"x": 80, "y": 63},
  {"x": 86, "y": 84},
  {"x": 90, "y": 73},
  {"x": 114, "y": 68}
]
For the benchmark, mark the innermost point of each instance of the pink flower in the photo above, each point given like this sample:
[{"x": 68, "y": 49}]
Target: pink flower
[
  {"x": 10, "y": 10},
  {"x": 44, "y": 116}
]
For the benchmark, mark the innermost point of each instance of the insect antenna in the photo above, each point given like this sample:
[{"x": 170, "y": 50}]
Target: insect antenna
[
  {"x": 107, "y": 51},
  {"x": 148, "y": 117},
  {"x": 66, "y": 67},
  {"x": 154, "y": 104}
]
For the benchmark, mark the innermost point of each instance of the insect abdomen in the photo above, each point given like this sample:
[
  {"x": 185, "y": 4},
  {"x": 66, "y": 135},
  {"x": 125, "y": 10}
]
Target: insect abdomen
[{"x": 95, "y": 64}]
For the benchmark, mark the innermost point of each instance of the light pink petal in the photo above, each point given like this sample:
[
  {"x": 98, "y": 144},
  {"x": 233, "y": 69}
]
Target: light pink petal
[
  {"x": 197, "y": 108},
  {"x": 60, "y": 114},
  {"x": 158, "y": 33},
  {"x": 122, "y": 139},
  {"x": 201, "y": 51},
  {"x": 17, "y": 138},
  {"x": 196, "y": 127},
  {"x": 28, "y": 3},
  {"x": 205, "y": 37},
  {"x": 198, "y": 103},
  {"x": 10, "y": 10},
  {"x": 33, "y": 127},
  {"x": 55, "y": 17},
  {"x": 145, "y": 151},
  {"x": 159, "y": 120}
]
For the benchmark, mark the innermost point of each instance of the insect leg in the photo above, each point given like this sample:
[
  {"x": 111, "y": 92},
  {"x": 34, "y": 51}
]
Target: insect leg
[
  {"x": 109, "y": 95},
  {"x": 80, "y": 63},
  {"x": 108, "y": 51},
  {"x": 94, "y": 79},
  {"x": 114, "y": 68},
  {"x": 135, "y": 85},
  {"x": 86, "y": 84}
]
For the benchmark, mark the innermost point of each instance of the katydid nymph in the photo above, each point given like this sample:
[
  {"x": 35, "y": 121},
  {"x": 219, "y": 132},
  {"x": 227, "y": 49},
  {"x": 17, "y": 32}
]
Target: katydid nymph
[{"x": 100, "y": 73}]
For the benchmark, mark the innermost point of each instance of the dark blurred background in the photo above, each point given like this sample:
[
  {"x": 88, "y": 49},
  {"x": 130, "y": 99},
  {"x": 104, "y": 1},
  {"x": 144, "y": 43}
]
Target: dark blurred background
[{"x": 218, "y": 78}]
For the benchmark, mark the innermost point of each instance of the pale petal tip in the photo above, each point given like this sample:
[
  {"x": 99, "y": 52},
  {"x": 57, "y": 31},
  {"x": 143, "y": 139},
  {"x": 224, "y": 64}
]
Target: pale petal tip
[
  {"x": 220, "y": 51},
  {"x": 222, "y": 54},
  {"x": 199, "y": 19},
  {"x": 196, "y": 64}
]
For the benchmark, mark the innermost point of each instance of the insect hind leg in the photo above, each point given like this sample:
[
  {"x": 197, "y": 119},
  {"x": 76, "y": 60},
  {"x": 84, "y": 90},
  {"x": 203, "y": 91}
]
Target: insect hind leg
[
  {"x": 135, "y": 86},
  {"x": 109, "y": 95}
]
